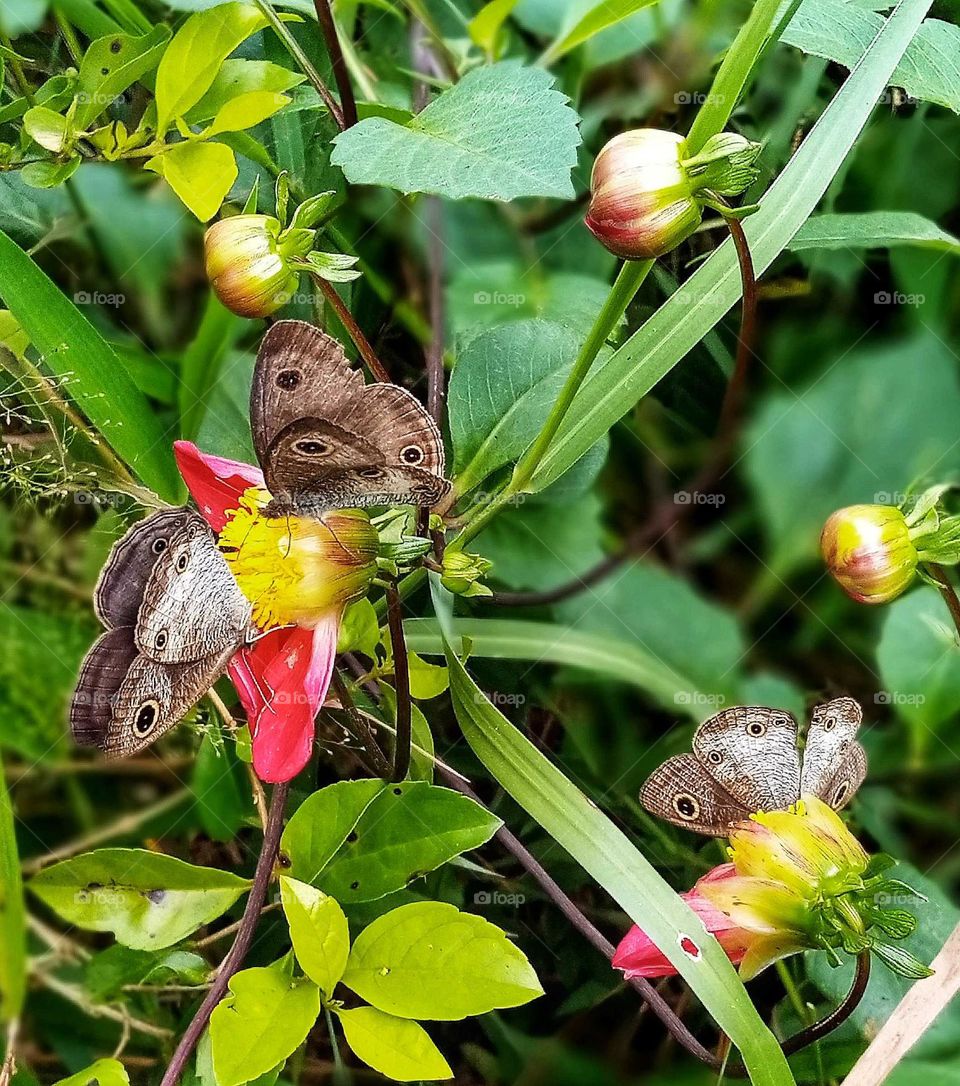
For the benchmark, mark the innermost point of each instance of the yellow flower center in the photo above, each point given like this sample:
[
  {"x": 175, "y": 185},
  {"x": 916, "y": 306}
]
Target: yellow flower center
[{"x": 297, "y": 570}]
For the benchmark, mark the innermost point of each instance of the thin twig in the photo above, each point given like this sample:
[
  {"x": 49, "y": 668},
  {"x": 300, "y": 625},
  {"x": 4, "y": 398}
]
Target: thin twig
[
  {"x": 348, "y": 103},
  {"x": 207, "y": 940},
  {"x": 668, "y": 514},
  {"x": 361, "y": 728},
  {"x": 100, "y": 1010},
  {"x": 9, "y": 1068},
  {"x": 401, "y": 679},
  {"x": 236, "y": 954},
  {"x": 306, "y": 65},
  {"x": 949, "y": 593},
  {"x": 361, "y": 342},
  {"x": 256, "y": 785}
]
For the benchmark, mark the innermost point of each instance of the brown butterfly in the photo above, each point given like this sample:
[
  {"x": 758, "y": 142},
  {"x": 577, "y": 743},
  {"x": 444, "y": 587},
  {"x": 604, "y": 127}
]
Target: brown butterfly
[
  {"x": 745, "y": 759},
  {"x": 326, "y": 440}
]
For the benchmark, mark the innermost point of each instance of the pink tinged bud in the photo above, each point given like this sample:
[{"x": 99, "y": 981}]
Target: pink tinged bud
[
  {"x": 246, "y": 267},
  {"x": 642, "y": 201},
  {"x": 868, "y": 550}
]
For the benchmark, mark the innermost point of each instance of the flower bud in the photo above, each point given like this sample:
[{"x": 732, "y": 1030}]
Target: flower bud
[
  {"x": 642, "y": 202},
  {"x": 298, "y": 570},
  {"x": 462, "y": 573},
  {"x": 247, "y": 265},
  {"x": 869, "y": 551}
]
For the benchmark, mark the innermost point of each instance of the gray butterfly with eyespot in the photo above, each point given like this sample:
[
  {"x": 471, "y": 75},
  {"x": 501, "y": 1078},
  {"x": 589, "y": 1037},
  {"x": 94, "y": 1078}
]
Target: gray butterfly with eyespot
[
  {"x": 326, "y": 440},
  {"x": 745, "y": 759},
  {"x": 174, "y": 617}
]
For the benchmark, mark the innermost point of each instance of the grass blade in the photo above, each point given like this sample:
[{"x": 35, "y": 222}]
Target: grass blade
[{"x": 13, "y": 944}]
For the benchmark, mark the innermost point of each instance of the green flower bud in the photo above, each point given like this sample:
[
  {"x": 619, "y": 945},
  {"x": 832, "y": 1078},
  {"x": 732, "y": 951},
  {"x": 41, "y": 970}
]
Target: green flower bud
[
  {"x": 869, "y": 551},
  {"x": 647, "y": 197},
  {"x": 250, "y": 263},
  {"x": 462, "y": 573}
]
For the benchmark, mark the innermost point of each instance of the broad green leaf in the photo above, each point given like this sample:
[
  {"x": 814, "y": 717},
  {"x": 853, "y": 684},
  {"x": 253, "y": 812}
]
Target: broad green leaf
[
  {"x": 264, "y": 1020},
  {"x": 505, "y": 381},
  {"x": 426, "y": 680},
  {"x": 485, "y": 26},
  {"x": 919, "y": 661},
  {"x": 112, "y": 64},
  {"x": 197, "y": 52},
  {"x": 465, "y": 143},
  {"x": 873, "y": 230},
  {"x": 13, "y": 940},
  {"x": 603, "y": 15},
  {"x": 400, "y": 1049},
  {"x": 360, "y": 629},
  {"x": 429, "y": 960},
  {"x": 201, "y": 174},
  {"x": 202, "y": 361},
  {"x": 46, "y": 127},
  {"x": 319, "y": 933},
  {"x": 686, "y": 317},
  {"x": 245, "y": 111},
  {"x": 102, "y": 1073},
  {"x": 320, "y": 825},
  {"x": 47, "y": 174},
  {"x": 238, "y": 77},
  {"x": 543, "y": 642},
  {"x": 98, "y": 384},
  {"x": 840, "y": 30},
  {"x": 840, "y": 440},
  {"x": 220, "y": 788},
  {"x": 607, "y": 854},
  {"x": 109, "y": 970},
  {"x": 146, "y": 899},
  {"x": 408, "y": 830}
]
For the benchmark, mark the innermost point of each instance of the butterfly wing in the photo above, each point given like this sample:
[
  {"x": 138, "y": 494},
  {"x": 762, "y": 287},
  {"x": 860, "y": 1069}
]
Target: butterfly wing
[
  {"x": 751, "y": 751},
  {"x": 326, "y": 440},
  {"x": 124, "y": 700},
  {"x": 834, "y": 762},
  {"x": 683, "y": 792},
  {"x": 192, "y": 607},
  {"x": 123, "y": 581}
]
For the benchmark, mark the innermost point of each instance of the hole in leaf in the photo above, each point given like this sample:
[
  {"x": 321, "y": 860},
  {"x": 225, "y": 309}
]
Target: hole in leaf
[{"x": 689, "y": 947}]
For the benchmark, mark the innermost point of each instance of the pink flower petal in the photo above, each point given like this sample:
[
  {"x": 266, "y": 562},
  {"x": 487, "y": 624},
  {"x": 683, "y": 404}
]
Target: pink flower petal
[
  {"x": 214, "y": 482},
  {"x": 282, "y": 680}
]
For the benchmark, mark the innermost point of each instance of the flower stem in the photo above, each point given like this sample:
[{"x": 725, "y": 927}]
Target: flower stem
[
  {"x": 306, "y": 65},
  {"x": 401, "y": 679},
  {"x": 241, "y": 945},
  {"x": 361, "y": 729},
  {"x": 361, "y": 342},
  {"x": 348, "y": 103},
  {"x": 946, "y": 589}
]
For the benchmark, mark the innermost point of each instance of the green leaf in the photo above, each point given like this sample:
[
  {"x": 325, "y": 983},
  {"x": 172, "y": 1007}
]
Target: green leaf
[
  {"x": 429, "y": 960},
  {"x": 873, "y": 230},
  {"x": 46, "y": 127},
  {"x": 603, "y": 15},
  {"x": 319, "y": 933},
  {"x": 196, "y": 55},
  {"x": 840, "y": 30},
  {"x": 465, "y": 143},
  {"x": 679, "y": 324},
  {"x": 47, "y": 175},
  {"x": 245, "y": 111},
  {"x": 426, "y": 680},
  {"x": 320, "y": 825},
  {"x": 504, "y": 384},
  {"x": 221, "y": 789},
  {"x": 400, "y": 1049},
  {"x": 109, "y": 970},
  {"x": 261, "y": 1023},
  {"x": 238, "y": 77},
  {"x": 102, "y": 1073},
  {"x": 201, "y": 174},
  {"x": 544, "y": 642},
  {"x": 604, "y": 851},
  {"x": 13, "y": 940},
  {"x": 919, "y": 660},
  {"x": 146, "y": 899},
  {"x": 484, "y": 27},
  {"x": 112, "y": 64},
  {"x": 98, "y": 384},
  {"x": 218, "y": 332},
  {"x": 408, "y": 830}
]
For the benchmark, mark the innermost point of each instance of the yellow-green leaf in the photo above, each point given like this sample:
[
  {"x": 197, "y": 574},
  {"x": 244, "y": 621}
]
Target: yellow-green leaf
[
  {"x": 101, "y": 1073},
  {"x": 46, "y": 127},
  {"x": 110, "y": 65},
  {"x": 201, "y": 174},
  {"x": 396, "y": 1047},
  {"x": 484, "y": 27},
  {"x": 246, "y": 110},
  {"x": 318, "y": 930}
]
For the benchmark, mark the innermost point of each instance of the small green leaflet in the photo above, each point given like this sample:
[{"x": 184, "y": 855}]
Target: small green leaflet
[
  {"x": 319, "y": 933},
  {"x": 400, "y": 1049},
  {"x": 502, "y": 132}
]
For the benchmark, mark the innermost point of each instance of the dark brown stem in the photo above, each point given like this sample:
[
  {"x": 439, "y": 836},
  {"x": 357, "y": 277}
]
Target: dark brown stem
[
  {"x": 241, "y": 945},
  {"x": 949, "y": 593},
  {"x": 361, "y": 729},
  {"x": 401, "y": 680},
  {"x": 361, "y": 342},
  {"x": 348, "y": 103},
  {"x": 668, "y": 514},
  {"x": 829, "y": 1023}
]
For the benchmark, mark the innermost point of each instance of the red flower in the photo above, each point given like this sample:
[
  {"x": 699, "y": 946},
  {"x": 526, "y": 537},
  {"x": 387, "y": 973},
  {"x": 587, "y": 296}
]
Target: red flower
[{"x": 283, "y": 676}]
